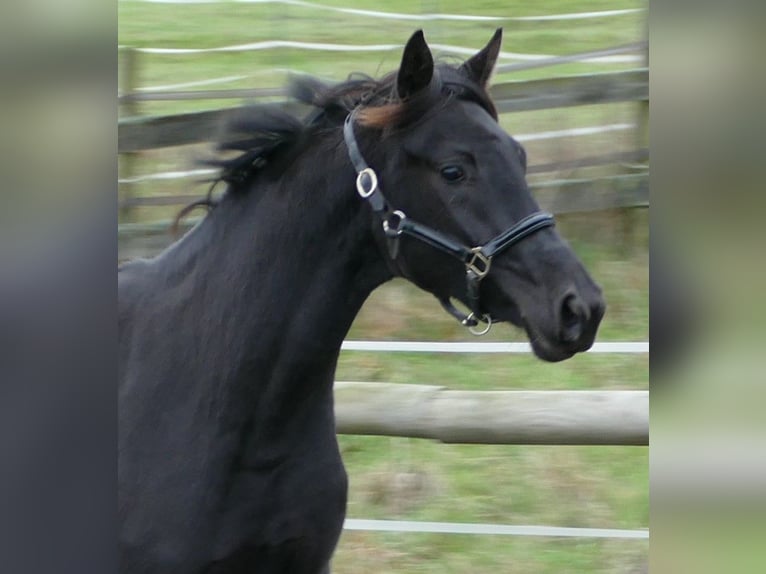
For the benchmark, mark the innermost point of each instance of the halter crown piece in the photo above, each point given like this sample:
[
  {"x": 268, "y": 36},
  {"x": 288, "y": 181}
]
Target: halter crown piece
[{"x": 395, "y": 223}]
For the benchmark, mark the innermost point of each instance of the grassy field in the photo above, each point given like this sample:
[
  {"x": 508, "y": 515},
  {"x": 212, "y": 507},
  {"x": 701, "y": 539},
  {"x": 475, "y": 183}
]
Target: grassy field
[
  {"x": 215, "y": 25},
  {"x": 397, "y": 478}
]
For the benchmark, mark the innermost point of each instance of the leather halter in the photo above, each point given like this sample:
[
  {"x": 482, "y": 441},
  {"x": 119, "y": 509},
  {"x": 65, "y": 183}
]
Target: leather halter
[{"x": 477, "y": 260}]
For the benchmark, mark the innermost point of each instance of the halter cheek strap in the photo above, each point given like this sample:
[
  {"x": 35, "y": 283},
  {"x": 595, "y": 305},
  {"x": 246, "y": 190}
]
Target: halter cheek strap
[{"x": 395, "y": 223}]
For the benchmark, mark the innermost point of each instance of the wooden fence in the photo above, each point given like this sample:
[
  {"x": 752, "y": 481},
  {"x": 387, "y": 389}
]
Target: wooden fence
[
  {"x": 144, "y": 133},
  {"x": 493, "y": 417},
  {"x": 623, "y": 190},
  {"x": 624, "y": 184}
]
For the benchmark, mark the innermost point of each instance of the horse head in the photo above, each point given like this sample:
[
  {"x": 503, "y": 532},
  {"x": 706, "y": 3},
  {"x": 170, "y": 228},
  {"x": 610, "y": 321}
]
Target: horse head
[{"x": 458, "y": 218}]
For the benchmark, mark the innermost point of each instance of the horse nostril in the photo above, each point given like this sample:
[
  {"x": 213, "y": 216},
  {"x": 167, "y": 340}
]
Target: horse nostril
[{"x": 572, "y": 318}]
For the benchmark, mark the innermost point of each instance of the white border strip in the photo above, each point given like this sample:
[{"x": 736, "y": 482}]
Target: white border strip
[
  {"x": 574, "y": 132},
  {"x": 224, "y": 80},
  {"x": 379, "y": 14},
  {"x": 194, "y": 84},
  {"x": 168, "y": 175},
  {"x": 459, "y": 347},
  {"x": 326, "y": 47},
  {"x": 577, "y": 15},
  {"x": 416, "y": 17},
  {"x": 586, "y": 131},
  {"x": 485, "y": 529},
  {"x": 270, "y": 44}
]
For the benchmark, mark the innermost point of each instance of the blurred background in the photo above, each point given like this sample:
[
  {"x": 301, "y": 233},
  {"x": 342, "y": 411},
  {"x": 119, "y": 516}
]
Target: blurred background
[
  {"x": 572, "y": 85},
  {"x": 59, "y": 207}
]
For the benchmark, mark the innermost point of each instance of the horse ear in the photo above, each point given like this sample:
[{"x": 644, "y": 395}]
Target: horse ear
[
  {"x": 479, "y": 67},
  {"x": 417, "y": 67}
]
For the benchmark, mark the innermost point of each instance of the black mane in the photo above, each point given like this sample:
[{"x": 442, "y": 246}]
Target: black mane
[{"x": 261, "y": 136}]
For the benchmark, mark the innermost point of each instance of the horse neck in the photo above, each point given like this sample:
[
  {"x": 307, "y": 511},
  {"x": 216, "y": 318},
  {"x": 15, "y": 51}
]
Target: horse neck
[{"x": 295, "y": 261}]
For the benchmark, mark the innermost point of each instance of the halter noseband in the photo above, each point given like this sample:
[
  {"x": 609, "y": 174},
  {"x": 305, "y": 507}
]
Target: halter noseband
[{"x": 477, "y": 260}]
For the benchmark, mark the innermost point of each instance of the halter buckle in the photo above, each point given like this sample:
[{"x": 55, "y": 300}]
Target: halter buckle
[
  {"x": 366, "y": 182},
  {"x": 394, "y": 230},
  {"x": 478, "y": 263},
  {"x": 472, "y": 328}
]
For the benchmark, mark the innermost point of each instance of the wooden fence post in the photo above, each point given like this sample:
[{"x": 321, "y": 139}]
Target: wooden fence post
[
  {"x": 127, "y": 160},
  {"x": 641, "y": 142},
  {"x": 642, "y": 133}
]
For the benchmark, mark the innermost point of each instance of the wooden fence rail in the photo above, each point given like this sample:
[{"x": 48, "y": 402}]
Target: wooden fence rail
[
  {"x": 493, "y": 417},
  {"x": 143, "y": 133}
]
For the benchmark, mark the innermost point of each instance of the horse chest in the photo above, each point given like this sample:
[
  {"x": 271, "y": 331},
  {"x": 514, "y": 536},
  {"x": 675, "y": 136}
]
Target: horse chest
[{"x": 284, "y": 518}]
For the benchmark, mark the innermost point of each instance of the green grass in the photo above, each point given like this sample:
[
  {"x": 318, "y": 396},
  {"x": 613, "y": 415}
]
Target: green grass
[
  {"x": 216, "y": 25},
  {"x": 398, "y": 478},
  {"x": 419, "y": 480}
]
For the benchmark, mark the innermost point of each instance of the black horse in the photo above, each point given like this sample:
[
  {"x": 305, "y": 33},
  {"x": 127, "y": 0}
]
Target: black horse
[{"x": 228, "y": 460}]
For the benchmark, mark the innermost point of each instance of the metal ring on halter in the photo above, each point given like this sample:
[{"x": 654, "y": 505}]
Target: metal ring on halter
[
  {"x": 471, "y": 328},
  {"x": 367, "y": 174},
  {"x": 394, "y": 231},
  {"x": 483, "y": 262}
]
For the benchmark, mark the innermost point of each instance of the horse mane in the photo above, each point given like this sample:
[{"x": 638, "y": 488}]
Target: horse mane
[{"x": 262, "y": 136}]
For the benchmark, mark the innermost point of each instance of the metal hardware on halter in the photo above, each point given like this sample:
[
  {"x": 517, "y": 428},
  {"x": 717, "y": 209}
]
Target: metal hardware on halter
[
  {"x": 477, "y": 260},
  {"x": 395, "y": 230},
  {"x": 367, "y": 174},
  {"x": 467, "y": 322},
  {"x": 484, "y": 262}
]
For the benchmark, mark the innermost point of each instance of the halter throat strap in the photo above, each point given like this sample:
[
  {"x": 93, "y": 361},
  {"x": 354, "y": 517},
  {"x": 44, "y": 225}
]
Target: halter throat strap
[{"x": 395, "y": 223}]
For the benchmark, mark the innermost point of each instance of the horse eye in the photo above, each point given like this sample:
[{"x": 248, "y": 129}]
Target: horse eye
[{"x": 452, "y": 173}]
